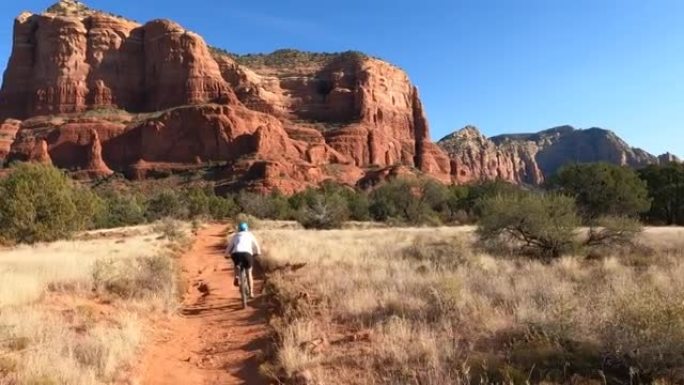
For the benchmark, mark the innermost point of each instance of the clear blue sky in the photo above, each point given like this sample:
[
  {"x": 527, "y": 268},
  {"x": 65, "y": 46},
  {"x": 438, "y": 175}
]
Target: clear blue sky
[{"x": 502, "y": 65}]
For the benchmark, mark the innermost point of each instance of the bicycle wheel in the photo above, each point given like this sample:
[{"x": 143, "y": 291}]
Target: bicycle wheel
[{"x": 244, "y": 289}]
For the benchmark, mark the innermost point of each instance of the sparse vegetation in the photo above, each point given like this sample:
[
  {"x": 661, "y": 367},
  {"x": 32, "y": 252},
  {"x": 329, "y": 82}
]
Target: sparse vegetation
[
  {"x": 425, "y": 306},
  {"x": 289, "y": 57},
  {"x": 73, "y": 312},
  {"x": 77, "y": 8}
]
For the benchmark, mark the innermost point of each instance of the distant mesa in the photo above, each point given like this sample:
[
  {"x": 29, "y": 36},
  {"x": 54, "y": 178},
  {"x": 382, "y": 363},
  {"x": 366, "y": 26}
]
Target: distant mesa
[{"x": 96, "y": 93}]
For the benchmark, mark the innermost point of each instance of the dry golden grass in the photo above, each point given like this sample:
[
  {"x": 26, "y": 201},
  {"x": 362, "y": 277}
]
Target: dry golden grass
[
  {"x": 60, "y": 320},
  {"x": 27, "y": 272},
  {"x": 424, "y": 306}
]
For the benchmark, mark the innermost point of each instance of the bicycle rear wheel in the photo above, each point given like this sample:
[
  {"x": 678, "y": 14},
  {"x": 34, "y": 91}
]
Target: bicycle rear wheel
[{"x": 244, "y": 289}]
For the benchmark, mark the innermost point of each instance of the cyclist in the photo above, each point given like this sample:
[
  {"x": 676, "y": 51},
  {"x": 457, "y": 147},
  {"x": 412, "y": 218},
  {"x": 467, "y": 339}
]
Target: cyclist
[{"x": 242, "y": 249}]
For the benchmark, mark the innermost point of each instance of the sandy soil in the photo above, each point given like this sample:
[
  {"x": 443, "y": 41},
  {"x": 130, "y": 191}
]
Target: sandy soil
[{"x": 212, "y": 340}]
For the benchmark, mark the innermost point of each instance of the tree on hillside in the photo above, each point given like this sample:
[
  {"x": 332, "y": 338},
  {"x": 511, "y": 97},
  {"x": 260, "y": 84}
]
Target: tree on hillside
[
  {"x": 666, "y": 189},
  {"x": 40, "y": 203},
  {"x": 602, "y": 189}
]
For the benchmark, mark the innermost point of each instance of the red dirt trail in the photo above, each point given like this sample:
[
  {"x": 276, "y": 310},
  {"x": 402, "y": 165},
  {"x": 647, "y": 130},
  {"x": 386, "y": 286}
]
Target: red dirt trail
[{"x": 212, "y": 340}]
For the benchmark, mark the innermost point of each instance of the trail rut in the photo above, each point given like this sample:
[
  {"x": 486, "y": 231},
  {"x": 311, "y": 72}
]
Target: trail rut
[{"x": 212, "y": 340}]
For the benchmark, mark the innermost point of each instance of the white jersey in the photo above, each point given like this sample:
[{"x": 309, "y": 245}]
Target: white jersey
[{"x": 243, "y": 242}]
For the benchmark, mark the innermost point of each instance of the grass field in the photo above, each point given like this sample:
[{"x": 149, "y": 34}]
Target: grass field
[
  {"x": 72, "y": 312},
  {"x": 425, "y": 306}
]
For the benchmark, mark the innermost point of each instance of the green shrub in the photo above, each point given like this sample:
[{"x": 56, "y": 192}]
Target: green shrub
[
  {"x": 542, "y": 224},
  {"x": 270, "y": 206},
  {"x": 222, "y": 207},
  {"x": 166, "y": 204},
  {"x": 409, "y": 200},
  {"x": 119, "y": 210},
  {"x": 358, "y": 205},
  {"x": 40, "y": 203},
  {"x": 602, "y": 189},
  {"x": 196, "y": 201},
  {"x": 665, "y": 185}
]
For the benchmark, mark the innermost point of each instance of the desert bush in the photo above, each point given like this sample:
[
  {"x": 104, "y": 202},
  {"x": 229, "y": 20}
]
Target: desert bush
[
  {"x": 40, "y": 203},
  {"x": 409, "y": 200},
  {"x": 166, "y": 204},
  {"x": 543, "y": 224},
  {"x": 602, "y": 189},
  {"x": 222, "y": 207},
  {"x": 358, "y": 205},
  {"x": 454, "y": 209},
  {"x": 136, "y": 278},
  {"x": 323, "y": 211},
  {"x": 171, "y": 229},
  {"x": 269, "y": 206},
  {"x": 119, "y": 210},
  {"x": 197, "y": 200},
  {"x": 613, "y": 231}
]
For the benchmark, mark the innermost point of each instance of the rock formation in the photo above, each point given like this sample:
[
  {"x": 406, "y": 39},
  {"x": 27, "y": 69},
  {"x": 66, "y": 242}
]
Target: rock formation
[
  {"x": 97, "y": 94},
  {"x": 530, "y": 158},
  {"x": 103, "y": 94},
  {"x": 475, "y": 158},
  {"x": 8, "y": 132}
]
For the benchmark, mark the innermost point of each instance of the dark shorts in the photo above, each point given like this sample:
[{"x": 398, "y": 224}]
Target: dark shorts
[{"x": 246, "y": 260}]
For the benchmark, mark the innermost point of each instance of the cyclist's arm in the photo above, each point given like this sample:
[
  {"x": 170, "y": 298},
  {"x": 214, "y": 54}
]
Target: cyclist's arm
[
  {"x": 255, "y": 246},
  {"x": 230, "y": 247}
]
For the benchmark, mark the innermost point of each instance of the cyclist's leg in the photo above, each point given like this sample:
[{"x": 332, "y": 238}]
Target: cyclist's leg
[
  {"x": 249, "y": 264},
  {"x": 250, "y": 281},
  {"x": 235, "y": 257}
]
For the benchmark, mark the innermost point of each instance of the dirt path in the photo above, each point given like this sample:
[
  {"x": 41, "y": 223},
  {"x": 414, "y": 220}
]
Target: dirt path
[{"x": 213, "y": 340}]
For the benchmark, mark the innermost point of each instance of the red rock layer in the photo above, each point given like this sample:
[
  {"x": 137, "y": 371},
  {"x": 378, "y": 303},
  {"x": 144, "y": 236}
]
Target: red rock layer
[{"x": 101, "y": 94}]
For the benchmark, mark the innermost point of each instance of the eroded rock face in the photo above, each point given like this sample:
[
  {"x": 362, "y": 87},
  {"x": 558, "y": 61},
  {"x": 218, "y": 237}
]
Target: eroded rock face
[
  {"x": 367, "y": 109},
  {"x": 100, "y": 94},
  {"x": 8, "y": 132},
  {"x": 475, "y": 158},
  {"x": 530, "y": 158}
]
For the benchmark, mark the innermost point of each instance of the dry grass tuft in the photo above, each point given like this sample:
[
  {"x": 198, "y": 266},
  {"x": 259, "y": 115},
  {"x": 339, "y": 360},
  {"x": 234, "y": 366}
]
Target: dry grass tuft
[
  {"x": 425, "y": 306},
  {"x": 70, "y": 311}
]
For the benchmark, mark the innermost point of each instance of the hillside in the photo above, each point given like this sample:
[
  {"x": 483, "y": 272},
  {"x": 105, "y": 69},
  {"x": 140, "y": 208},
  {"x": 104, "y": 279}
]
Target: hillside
[{"x": 530, "y": 158}]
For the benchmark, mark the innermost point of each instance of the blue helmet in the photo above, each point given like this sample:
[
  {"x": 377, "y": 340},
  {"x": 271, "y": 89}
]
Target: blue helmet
[{"x": 243, "y": 226}]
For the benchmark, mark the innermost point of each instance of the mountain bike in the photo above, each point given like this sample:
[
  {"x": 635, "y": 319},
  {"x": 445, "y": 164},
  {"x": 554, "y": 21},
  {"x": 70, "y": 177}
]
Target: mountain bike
[{"x": 243, "y": 284}]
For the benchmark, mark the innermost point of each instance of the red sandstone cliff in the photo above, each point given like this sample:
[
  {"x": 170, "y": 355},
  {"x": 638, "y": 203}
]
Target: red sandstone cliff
[{"x": 98, "y": 94}]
